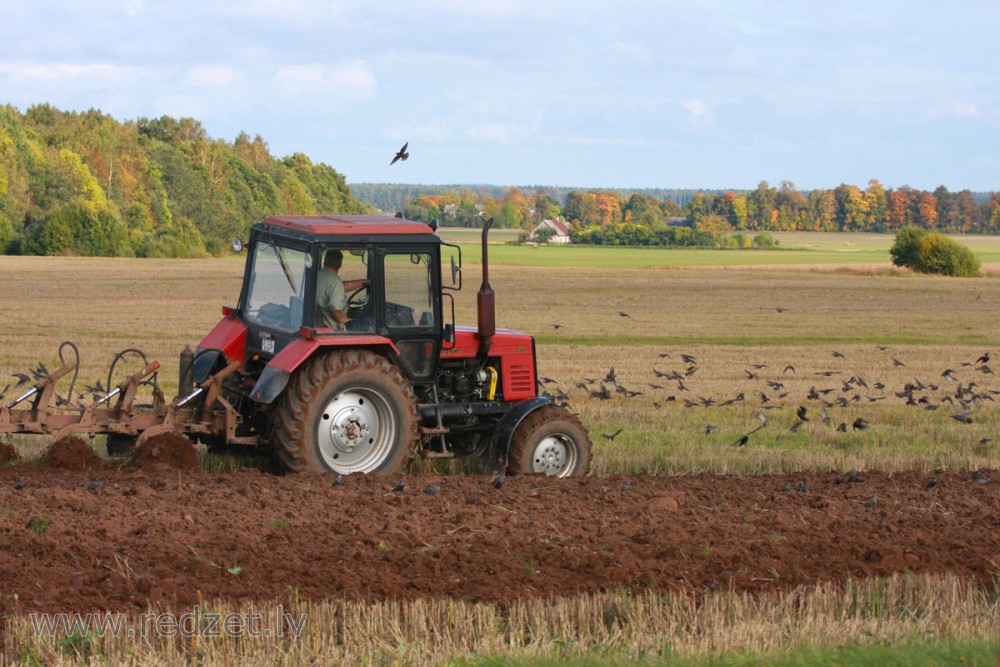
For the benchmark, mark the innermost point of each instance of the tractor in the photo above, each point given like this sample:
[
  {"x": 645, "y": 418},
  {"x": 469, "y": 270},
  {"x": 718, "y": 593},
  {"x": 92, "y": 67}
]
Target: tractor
[{"x": 399, "y": 379}]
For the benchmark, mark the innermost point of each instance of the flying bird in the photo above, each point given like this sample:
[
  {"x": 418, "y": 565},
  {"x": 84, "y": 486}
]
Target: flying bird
[
  {"x": 401, "y": 155},
  {"x": 612, "y": 436}
]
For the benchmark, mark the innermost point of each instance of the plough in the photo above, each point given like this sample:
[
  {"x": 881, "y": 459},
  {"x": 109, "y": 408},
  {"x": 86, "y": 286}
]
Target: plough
[{"x": 39, "y": 410}]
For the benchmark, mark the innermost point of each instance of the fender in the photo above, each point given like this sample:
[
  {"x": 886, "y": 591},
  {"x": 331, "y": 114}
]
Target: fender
[
  {"x": 504, "y": 431},
  {"x": 275, "y": 376}
]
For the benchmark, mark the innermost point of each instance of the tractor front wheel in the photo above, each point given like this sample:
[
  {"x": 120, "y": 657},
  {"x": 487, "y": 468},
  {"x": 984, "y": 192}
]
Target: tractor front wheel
[
  {"x": 347, "y": 412},
  {"x": 550, "y": 441}
]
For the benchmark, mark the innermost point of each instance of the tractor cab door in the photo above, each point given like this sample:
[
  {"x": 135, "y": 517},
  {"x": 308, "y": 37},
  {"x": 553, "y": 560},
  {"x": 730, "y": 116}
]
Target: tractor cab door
[{"x": 411, "y": 308}]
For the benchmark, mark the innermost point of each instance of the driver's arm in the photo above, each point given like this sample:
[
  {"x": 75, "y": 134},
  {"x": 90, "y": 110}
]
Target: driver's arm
[{"x": 351, "y": 285}]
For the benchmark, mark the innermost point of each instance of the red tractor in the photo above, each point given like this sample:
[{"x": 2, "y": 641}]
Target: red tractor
[{"x": 398, "y": 380}]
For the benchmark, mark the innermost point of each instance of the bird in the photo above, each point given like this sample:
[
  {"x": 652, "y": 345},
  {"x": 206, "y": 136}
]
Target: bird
[
  {"x": 612, "y": 436},
  {"x": 337, "y": 481},
  {"x": 786, "y": 487},
  {"x": 627, "y": 486},
  {"x": 871, "y": 502},
  {"x": 432, "y": 489},
  {"x": 94, "y": 485},
  {"x": 801, "y": 413},
  {"x": 780, "y": 310},
  {"x": 897, "y": 362},
  {"x": 499, "y": 480},
  {"x": 838, "y": 355},
  {"x": 789, "y": 367},
  {"x": 556, "y": 326},
  {"x": 932, "y": 482},
  {"x": 622, "y": 313},
  {"x": 400, "y": 485},
  {"x": 19, "y": 484},
  {"x": 709, "y": 428},
  {"x": 401, "y": 155},
  {"x": 860, "y": 424},
  {"x": 983, "y": 359},
  {"x": 852, "y": 476},
  {"x": 742, "y": 440},
  {"x": 980, "y": 477},
  {"x": 801, "y": 487},
  {"x": 964, "y": 416}
]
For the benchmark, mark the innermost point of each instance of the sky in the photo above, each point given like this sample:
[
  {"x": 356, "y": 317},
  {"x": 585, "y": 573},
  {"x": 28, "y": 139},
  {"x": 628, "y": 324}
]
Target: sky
[{"x": 578, "y": 93}]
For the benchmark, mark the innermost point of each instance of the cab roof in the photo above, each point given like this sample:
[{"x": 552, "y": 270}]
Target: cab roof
[{"x": 333, "y": 225}]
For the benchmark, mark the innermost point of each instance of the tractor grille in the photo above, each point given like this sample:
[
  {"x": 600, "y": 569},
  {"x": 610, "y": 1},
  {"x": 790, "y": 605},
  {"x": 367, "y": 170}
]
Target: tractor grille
[{"x": 522, "y": 380}]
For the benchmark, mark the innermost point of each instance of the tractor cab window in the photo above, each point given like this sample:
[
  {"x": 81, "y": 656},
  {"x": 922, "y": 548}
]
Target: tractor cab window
[
  {"x": 277, "y": 282},
  {"x": 343, "y": 294},
  {"x": 409, "y": 291},
  {"x": 409, "y": 310}
]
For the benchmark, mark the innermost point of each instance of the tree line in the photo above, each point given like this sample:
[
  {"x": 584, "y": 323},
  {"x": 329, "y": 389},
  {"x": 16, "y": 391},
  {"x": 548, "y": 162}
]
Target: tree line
[
  {"x": 640, "y": 218},
  {"x": 84, "y": 183}
]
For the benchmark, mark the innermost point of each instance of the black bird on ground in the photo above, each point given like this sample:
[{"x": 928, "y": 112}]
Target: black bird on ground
[
  {"x": 627, "y": 486},
  {"x": 801, "y": 488},
  {"x": 94, "y": 485},
  {"x": 337, "y": 481},
  {"x": 932, "y": 482},
  {"x": 401, "y": 155},
  {"x": 432, "y": 489},
  {"x": 499, "y": 480},
  {"x": 871, "y": 502},
  {"x": 19, "y": 484},
  {"x": 400, "y": 485},
  {"x": 786, "y": 487}
]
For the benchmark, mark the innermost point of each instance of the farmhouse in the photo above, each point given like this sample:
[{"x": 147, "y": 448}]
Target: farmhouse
[{"x": 550, "y": 231}]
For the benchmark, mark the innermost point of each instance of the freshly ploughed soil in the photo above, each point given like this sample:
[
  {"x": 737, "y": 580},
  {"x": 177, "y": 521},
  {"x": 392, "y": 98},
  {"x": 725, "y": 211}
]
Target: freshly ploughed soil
[
  {"x": 170, "y": 450},
  {"x": 70, "y": 453},
  {"x": 7, "y": 453},
  {"x": 171, "y": 538}
]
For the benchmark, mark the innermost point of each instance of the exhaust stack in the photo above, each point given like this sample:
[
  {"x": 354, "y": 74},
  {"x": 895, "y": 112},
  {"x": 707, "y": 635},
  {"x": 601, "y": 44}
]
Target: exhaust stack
[{"x": 486, "y": 301}]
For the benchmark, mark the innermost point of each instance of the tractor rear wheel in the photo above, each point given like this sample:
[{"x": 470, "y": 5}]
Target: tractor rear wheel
[
  {"x": 347, "y": 412},
  {"x": 550, "y": 441}
]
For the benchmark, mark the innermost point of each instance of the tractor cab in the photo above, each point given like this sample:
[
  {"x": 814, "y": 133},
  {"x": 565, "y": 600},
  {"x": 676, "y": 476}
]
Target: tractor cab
[{"x": 290, "y": 277}]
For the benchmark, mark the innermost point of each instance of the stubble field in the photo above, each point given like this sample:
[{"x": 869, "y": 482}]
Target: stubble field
[{"x": 860, "y": 350}]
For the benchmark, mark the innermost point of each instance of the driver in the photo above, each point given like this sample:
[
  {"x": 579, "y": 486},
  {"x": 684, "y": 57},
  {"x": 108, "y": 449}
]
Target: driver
[{"x": 331, "y": 292}]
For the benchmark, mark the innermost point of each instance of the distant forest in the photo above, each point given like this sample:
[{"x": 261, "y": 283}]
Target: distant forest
[
  {"x": 637, "y": 215},
  {"x": 87, "y": 184},
  {"x": 83, "y": 183}
]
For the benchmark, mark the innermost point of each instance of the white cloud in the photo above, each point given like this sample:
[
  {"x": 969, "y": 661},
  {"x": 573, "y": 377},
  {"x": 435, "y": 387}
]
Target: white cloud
[
  {"x": 213, "y": 75},
  {"x": 955, "y": 109},
  {"x": 352, "y": 81},
  {"x": 54, "y": 72}
]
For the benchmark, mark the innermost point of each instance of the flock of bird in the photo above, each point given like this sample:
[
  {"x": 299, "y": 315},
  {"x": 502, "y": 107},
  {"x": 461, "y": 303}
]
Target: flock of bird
[{"x": 768, "y": 391}]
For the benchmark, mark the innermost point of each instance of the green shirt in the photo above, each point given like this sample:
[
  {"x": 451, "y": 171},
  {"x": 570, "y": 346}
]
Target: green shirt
[{"x": 330, "y": 296}]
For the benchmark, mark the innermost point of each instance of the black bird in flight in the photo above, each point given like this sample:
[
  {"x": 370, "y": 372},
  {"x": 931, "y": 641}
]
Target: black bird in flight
[
  {"x": 401, "y": 155},
  {"x": 612, "y": 436},
  {"x": 983, "y": 359}
]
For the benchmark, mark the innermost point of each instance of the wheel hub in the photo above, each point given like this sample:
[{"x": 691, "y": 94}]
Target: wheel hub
[
  {"x": 355, "y": 431},
  {"x": 552, "y": 456}
]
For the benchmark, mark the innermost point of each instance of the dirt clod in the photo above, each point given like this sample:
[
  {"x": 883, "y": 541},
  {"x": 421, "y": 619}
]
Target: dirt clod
[
  {"x": 171, "y": 450},
  {"x": 70, "y": 453},
  {"x": 7, "y": 453}
]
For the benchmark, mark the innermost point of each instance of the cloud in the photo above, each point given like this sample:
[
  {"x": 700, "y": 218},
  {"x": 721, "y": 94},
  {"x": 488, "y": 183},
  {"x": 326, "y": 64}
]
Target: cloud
[
  {"x": 352, "y": 81},
  {"x": 213, "y": 75},
  {"x": 955, "y": 109},
  {"x": 60, "y": 71}
]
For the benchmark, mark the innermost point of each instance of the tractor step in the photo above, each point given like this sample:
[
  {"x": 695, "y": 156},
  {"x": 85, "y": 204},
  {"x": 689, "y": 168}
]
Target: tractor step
[{"x": 431, "y": 454}]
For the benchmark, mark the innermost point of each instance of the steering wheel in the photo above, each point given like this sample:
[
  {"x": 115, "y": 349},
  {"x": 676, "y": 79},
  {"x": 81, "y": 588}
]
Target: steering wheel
[{"x": 359, "y": 299}]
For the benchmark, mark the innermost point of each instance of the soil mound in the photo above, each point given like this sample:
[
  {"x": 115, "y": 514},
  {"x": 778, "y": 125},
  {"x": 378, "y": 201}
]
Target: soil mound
[
  {"x": 7, "y": 453},
  {"x": 167, "y": 449},
  {"x": 70, "y": 453}
]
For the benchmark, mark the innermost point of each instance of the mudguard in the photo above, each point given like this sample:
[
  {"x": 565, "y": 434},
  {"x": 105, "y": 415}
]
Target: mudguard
[
  {"x": 504, "y": 431},
  {"x": 275, "y": 376}
]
